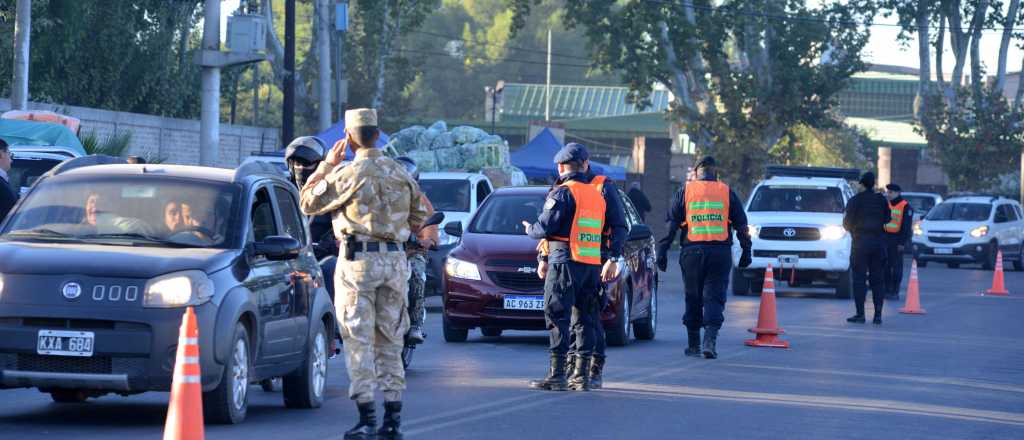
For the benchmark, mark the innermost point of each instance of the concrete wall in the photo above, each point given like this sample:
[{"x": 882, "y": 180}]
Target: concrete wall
[
  {"x": 911, "y": 169},
  {"x": 176, "y": 141},
  {"x": 652, "y": 159}
]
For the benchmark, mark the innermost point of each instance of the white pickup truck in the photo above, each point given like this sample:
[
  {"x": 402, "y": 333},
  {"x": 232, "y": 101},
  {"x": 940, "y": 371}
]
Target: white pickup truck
[
  {"x": 457, "y": 195},
  {"x": 796, "y": 225}
]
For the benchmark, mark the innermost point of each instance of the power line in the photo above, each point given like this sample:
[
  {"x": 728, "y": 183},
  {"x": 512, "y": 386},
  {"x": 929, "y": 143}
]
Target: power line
[
  {"x": 504, "y": 46},
  {"x": 497, "y": 60}
]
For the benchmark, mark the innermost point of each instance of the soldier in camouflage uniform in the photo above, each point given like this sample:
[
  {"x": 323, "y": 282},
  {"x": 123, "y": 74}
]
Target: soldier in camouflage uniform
[{"x": 374, "y": 205}]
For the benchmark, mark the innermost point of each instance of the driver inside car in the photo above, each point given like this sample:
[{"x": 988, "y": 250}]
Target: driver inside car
[{"x": 97, "y": 215}]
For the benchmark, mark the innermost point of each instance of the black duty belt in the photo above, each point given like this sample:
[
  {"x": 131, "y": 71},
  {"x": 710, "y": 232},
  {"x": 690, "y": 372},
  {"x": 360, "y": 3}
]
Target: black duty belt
[{"x": 376, "y": 246}]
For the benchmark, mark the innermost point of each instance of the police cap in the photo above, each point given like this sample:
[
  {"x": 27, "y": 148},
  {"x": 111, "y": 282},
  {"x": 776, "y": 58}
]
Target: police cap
[
  {"x": 707, "y": 161},
  {"x": 572, "y": 152},
  {"x": 893, "y": 187}
]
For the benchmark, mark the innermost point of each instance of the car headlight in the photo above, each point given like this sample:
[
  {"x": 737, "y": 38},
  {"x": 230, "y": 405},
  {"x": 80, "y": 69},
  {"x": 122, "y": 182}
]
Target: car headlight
[
  {"x": 917, "y": 229},
  {"x": 444, "y": 239},
  {"x": 1, "y": 286},
  {"x": 753, "y": 230},
  {"x": 980, "y": 231},
  {"x": 832, "y": 232},
  {"x": 178, "y": 289},
  {"x": 457, "y": 268}
]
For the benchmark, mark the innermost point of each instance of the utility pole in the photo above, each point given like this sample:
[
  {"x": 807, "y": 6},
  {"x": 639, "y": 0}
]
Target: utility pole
[
  {"x": 22, "y": 34},
  {"x": 209, "y": 124},
  {"x": 288, "y": 112},
  {"x": 341, "y": 26},
  {"x": 324, "y": 51},
  {"x": 547, "y": 84}
]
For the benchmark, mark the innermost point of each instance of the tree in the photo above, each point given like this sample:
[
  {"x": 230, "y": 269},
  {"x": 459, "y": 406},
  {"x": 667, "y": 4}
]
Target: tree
[{"x": 743, "y": 72}]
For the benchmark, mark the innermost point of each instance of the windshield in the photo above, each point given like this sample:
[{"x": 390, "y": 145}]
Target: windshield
[
  {"x": 157, "y": 211},
  {"x": 797, "y": 199},
  {"x": 969, "y": 212},
  {"x": 447, "y": 194},
  {"x": 25, "y": 171},
  {"x": 505, "y": 214},
  {"x": 921, "y": 204}
]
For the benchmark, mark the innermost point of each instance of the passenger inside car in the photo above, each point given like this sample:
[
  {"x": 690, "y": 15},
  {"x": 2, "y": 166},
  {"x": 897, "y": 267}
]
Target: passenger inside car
[{"x": 172, "y": 216}]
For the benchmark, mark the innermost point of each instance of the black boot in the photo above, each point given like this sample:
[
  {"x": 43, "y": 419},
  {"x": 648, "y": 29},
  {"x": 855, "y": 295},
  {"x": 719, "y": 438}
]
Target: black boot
[
  {"x": 693, "y": 343},
  {"x": 390, "y": 429},
  {"x": 878, "y": 316},
  {"x": 857, "y": 319},
  {"x": 580, "y": 380},
  {"x": 596, "y": 371},
  {"x": 367, "y": 427},
  {"x": 556, "y": 376},
  {"x": 710, "y": 339},
  {"x": 570, "y": 364}
]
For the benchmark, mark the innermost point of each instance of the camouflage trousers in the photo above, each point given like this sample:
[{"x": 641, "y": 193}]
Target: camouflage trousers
[
  {"x": 417, "y": 287},
  {"x": 371, "y": 306}
]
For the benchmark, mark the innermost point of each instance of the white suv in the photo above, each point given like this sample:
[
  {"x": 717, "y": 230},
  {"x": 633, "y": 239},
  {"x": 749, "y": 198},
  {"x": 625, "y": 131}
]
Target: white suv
[
  {"x": 970, "y": 229},
  {"x": 796, "y": 224}
]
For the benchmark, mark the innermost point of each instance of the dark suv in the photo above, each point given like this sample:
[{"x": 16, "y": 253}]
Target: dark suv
[{"x": 100, "y": 259}]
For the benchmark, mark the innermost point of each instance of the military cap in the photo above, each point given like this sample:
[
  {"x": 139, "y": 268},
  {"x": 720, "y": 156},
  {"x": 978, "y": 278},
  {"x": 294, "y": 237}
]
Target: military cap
[
  {"x": 361, "y": 117},
  {"x": 572, "y": 152}
]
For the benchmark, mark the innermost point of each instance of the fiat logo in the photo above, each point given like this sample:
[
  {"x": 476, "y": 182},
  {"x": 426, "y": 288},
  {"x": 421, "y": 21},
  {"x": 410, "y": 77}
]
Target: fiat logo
[
  {"x": 789, "y": 232},
  {"x": 71, "y": 290}
]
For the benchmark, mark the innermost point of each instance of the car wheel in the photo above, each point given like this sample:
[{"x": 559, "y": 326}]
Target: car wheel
[
  {"x": 618, "y": 335},
  {"x": 647, "y": 327},
  {"x": 229, "y": 402},
  {"x": 491, "y": 332},
  {"x": 740, "y": 283},
  {"x": 990, "y": 259},
  {"x": 452, "y": 334},
  {"x": 953, "y": 265},
  {"x": 271, "y": 385},
  {"x": 844, "y": 286},
  {"x": 68, "y": 396},
  {"x": 1018, "y": 264},
  {"x": 305, "y": 387}
]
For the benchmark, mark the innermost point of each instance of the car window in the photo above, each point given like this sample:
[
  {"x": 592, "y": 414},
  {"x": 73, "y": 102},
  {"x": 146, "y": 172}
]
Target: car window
[
  {"x": 290, "y": 219},
  {"x": 921, "y": 204},
  {"x": 1011, "y": 213},
  {"x": 1004, "y": 214},
  {"x": 482, "y": 191},
  {"x": 505, "y": 213},
  {"x": 1020, "y": 214},
  {"x": 26, "y": 170},
  {"x": 798, "y": 199},
  {"x": 631, "y": 215},
  {"x": 961, "y": 211},
  {"x": 262, "y": 215},
  {"x": 447, "y": 194}
]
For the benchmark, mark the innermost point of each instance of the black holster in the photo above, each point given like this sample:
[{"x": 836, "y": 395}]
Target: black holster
[{"x": 349, "y": 245}]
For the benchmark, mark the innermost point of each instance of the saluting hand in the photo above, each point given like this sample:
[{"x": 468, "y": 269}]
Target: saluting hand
[{"x": 337, "y": 154}]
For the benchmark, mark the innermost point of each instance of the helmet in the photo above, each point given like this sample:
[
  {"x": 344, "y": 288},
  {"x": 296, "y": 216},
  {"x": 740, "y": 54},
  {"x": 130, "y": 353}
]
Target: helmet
[
  {"x": 410, "y": 166},
  {"x": 307, "y": 148}
]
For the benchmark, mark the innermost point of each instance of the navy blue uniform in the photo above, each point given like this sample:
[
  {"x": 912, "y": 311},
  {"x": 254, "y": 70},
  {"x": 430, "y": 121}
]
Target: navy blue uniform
[
  {"x": 893, "y": 241},
  {"x": 706, "y": 264},
  {"x": 866, "y": 216},
  {"x": 572, "y": 289}
]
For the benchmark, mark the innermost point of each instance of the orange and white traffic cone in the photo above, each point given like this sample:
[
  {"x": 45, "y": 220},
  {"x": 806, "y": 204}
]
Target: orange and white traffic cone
[
  {"x": 913, "y": 304},
  {"x": 185, "y": 413},
  {"x": 767, "y": 329},
  {"x": 998, "y": 286}
]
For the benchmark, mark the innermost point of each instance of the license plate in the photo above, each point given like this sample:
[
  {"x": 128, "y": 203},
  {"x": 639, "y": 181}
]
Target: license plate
[
  {"x": 944, "y": 251},
  {"x": 65, "y": 343},
  {"x": 524, "y": 302},
  {"x": 788, "y": 260}
]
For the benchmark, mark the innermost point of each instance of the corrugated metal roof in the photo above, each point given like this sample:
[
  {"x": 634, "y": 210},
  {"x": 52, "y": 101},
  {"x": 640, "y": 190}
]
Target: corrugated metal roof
[
  {"x": 574, "y": 101},
  {"x": 889, "y": 132}
]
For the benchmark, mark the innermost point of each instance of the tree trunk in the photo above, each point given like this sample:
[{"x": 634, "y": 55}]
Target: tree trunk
[
  {"x": 323, "y": 38},
  {"x": 924, "y": 54},
  {"x": 1004, "y": 45},
  {"x": 940, "y": 46},
  {"x": 1020, "y": 90},
  {"x": 276, "y": 48},
  {"x": 386, "y": 38},
  {"x": 959, "y": 44},
  {"x": 256, "y": 85},
  {"x": 679, "y": 84},
  {"x": 977, "y": 22}
]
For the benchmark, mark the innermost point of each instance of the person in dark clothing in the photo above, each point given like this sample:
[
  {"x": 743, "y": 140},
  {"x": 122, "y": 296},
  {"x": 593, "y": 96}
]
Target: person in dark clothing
[
  {"x": 8, "y": 196},
  {"x": 866, "y": 216},
  {"x": 898, "y": 233},
  {"x": 303, "y": 155},
  {"x": 640, "y": 201},
  {"x": 706, "y": 213},
  {"x": 572, "y": 223}
]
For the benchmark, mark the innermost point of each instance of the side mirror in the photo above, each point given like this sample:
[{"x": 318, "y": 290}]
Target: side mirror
[
  {"x": 434, "y": 219},
  {"x": 277, "y": 248},
  {"x": 640, "y": 232},
  {"x": 454, "y": 229}
]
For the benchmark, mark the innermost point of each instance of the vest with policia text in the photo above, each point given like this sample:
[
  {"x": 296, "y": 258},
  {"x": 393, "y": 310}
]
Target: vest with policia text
[
  {"x": 707, "y": 211},
  {"x": 543, "y": 247},
  {"x": 896, "y": 222},
  {"x": 587, "y": 222}
]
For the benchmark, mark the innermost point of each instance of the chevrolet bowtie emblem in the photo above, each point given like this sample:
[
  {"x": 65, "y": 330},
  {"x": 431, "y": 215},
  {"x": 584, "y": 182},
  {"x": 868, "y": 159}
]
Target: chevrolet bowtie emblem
[{"x": 527, "y": 270}]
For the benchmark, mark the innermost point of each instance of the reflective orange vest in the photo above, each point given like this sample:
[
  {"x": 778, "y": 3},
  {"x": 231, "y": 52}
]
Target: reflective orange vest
[
  {"x": 598, "y": 182},
  {"x": 707, "y": 211},
  {"x": 587, "y": 223},
  {"x": 896, "y": 222}
]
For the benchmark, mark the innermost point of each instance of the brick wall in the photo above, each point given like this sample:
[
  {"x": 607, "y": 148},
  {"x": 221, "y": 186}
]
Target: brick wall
[{"x": 176, "y": 141}]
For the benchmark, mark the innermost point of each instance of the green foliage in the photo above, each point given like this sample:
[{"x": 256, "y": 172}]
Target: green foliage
[
  {"x": 115, "y": 145},
  {"x": 838, "y": 146}
]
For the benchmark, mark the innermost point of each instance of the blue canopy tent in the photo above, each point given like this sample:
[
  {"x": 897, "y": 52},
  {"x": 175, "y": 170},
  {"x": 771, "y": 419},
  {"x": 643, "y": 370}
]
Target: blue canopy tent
[
  {"x": 536, "y": 159},
  {"x": 337, "y": 131}
]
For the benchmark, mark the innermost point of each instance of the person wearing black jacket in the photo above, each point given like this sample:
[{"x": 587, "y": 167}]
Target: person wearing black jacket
[
  {"x": 898, "y": 233},
  {"x": 640, "y": 201},
  {"x": 706, "y": 213},
  {"x": 8, "y": 196},
  {"x": 866, "y": 216}
]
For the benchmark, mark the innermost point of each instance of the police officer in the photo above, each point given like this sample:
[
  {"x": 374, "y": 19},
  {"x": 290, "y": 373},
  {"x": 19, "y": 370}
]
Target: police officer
[
  {"x": 706, "y": 213},
  {"x": 426, "y": 239},
  {"x": 866, "y": 216},
  {"x": 303, "y": 155},
  {"x": 575, "y": 216},
  {"x": 898, "y": 233},
  {"x": 375, "y": 206}
]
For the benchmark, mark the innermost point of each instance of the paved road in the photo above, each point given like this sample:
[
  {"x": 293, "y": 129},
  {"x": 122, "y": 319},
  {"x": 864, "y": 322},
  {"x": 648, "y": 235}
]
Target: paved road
[{"x": 955, "y": 373}]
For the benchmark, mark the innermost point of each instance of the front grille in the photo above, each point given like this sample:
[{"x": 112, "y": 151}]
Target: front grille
[
  {"x": 8, "y": 361},
  {"x": 943, "y": 240},
  {"x": 799, "y": 254},
  {"x": 795, "y": 234},
  {"x": 64, "y": 364},
  {"x": 517, "y": 281},
  {"x": 512, "y": 263},
  {"x": 84, "y": 324}
]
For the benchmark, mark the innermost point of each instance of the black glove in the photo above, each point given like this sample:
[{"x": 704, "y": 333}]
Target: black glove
[
  {"x": 745, "y": 259},
  {"x": 662, "y": 262}
]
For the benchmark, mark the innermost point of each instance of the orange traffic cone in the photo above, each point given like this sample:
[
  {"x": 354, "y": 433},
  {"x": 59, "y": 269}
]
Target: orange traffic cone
[
  {"x": 913, "y": 304},
  {"x": 767, "y": 329},
  {"x": 998, "y": 287},
  {"x": 185, "y": 413}
]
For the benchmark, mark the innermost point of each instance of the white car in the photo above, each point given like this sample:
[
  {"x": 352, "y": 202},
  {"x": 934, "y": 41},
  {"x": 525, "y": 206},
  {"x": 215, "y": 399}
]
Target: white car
[
  {"x": 971, "y": 229},
  {"x": 922, "y": 203},
  {"x": 457, "y": 195},
  {"x": 31, "y": 162},
  {"x": 796, "y": 225}
]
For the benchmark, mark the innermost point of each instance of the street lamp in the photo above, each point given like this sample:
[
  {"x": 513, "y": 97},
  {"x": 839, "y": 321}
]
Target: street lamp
[{"x": 495, "y": 95}]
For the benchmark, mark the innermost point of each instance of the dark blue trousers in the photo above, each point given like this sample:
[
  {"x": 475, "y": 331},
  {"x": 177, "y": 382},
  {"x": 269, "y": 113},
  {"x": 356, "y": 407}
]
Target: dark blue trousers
[
  {"x": 706, "y": 277},
  {"x": 868, "y": 263},
  {"x": 570, "y": 298}
]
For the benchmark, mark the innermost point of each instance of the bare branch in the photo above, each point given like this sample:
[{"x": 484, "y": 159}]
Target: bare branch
[
  {"x": 976, "y": 24},
  {"x": 1004, "y": 45},
  {"x": 679, "y": 84}
]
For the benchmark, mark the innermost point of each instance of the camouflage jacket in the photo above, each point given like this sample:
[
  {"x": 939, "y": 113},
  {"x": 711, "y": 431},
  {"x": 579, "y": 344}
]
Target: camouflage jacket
[{"x": 372, "y": 198}]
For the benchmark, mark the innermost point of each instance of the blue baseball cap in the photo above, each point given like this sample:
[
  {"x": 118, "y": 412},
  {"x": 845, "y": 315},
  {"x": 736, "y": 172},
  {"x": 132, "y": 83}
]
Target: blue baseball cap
[{"x": 572, "y": 152}]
